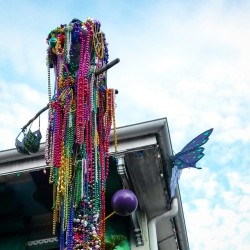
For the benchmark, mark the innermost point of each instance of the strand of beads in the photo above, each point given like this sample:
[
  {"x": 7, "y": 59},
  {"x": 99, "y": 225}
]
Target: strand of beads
[
  {"x": 77, "y": 143},
  {"x": 80, "y": 97}
]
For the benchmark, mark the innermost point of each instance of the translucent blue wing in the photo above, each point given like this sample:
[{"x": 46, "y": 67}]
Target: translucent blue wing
[
  {"x": 197, "y": 141},
  {"x": 181, "y": 164},
  {"x": 192, "y": 152},
  {"x": 188, "y": 157},
  {"x": 191, "y": 156}
]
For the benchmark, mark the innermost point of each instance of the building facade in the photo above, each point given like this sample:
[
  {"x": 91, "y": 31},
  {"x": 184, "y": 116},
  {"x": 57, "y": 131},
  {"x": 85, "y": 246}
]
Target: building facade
[{"x": 142, "y": 164}]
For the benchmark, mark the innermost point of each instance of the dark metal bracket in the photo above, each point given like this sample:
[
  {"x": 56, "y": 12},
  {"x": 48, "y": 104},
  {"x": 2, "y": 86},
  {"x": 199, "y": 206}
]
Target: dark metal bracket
[{"x": 98, "y": 72}]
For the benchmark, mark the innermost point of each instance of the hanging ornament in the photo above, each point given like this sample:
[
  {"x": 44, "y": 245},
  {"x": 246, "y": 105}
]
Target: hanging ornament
[
  {"x": 30, "y": 142},
  {"x": 124, "y": 202}
]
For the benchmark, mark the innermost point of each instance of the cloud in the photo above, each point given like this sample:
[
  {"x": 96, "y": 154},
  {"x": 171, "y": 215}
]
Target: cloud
[
  {"x": 217, "y": 208},
  {"x": 217, "y": 228},
  {"x": 19, "y": 103},
  {"x": 213, "y": 226},
  {"x": 194, "y": 72},
  {"x": 200, "y": 182},
  {"x": 239, "y": 181}
]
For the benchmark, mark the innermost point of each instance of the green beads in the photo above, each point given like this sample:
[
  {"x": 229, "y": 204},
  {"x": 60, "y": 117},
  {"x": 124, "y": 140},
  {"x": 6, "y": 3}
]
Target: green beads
[{"x": 52, "y": 42}]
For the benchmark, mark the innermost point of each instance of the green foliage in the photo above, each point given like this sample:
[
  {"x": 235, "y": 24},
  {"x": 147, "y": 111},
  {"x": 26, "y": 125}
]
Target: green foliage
[{"x": 114, "y": 241}]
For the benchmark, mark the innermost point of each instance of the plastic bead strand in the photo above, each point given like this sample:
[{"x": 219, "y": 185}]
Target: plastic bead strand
[{"x": 82, "y": 112}]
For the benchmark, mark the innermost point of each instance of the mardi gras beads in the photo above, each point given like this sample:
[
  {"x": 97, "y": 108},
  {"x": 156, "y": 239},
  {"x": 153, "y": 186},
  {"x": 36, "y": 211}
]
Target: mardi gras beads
[{"x": 77, "y": 141}]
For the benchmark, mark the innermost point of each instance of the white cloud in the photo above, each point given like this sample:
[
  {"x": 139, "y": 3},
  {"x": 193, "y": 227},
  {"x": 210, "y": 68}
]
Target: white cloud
[
  {"x": 230, "y": 198},
  {"x": 217, "y": 222},
  {"x": 244, "y": 205},
  {"x": 200, "y": 182},
  {"x": 239, "y": 181},
  {"x": 19, "y": 103},
  {"x": 194, "y": 72},
  {"x": 217, "y": 228}
]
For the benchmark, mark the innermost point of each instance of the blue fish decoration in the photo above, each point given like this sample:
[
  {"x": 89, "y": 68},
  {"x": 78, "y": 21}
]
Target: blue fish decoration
[{"x": 188, "y": 157}]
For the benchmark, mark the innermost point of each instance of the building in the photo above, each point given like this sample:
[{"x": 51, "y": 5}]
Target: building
[{"x": 142, "y": 164}]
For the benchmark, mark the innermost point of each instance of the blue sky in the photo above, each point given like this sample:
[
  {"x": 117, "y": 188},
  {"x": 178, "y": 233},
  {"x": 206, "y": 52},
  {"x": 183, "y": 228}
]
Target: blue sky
[{"x": 184, "y": 60}]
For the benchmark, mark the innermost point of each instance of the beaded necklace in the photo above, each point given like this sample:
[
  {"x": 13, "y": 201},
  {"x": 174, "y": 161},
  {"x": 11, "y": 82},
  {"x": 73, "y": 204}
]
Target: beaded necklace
[{"x": 81, "y": 113}]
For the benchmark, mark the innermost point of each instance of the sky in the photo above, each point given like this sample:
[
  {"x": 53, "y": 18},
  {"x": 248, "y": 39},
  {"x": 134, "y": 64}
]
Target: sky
[{"x": 184, "y": 60}]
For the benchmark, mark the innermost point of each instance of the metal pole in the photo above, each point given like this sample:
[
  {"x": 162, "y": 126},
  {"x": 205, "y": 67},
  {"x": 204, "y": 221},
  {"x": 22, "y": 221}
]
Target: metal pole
[
  {"x": 34, "y": 118},
  {"x": 98, "y": 72}
]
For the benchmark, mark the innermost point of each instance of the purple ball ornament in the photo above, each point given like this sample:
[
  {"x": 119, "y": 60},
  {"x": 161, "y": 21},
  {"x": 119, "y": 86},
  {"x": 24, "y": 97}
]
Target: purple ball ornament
[{"x": 124, "y": 202}]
